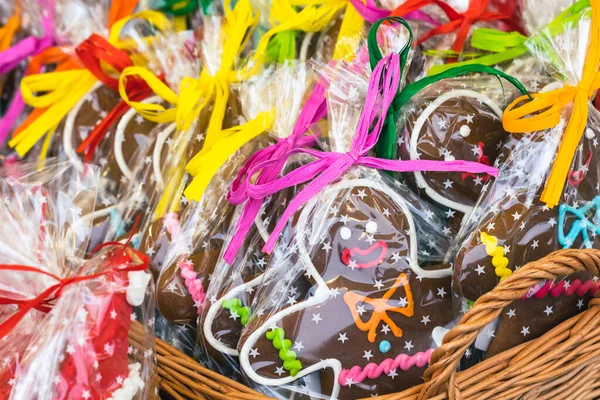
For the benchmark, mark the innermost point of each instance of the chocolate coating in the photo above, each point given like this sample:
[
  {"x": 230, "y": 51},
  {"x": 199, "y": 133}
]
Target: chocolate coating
[
  {"x": 527, "y": 230},
  {"x": 364, "y": 255},
  {"x": 464, "y": 126}
]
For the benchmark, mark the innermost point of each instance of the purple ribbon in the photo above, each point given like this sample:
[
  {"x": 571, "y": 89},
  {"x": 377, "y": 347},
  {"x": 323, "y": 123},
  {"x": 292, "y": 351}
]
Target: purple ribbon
[
  {"x": 269, "y": 163},
  {"x": 371, "y": 13},
  {"x": 331, "y": 166},
  {"x": 13, "y": 56}
]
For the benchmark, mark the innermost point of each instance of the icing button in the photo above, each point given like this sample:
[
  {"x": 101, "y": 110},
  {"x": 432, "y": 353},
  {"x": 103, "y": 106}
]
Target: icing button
[
  {"x": 384, "y": 346},
  {"x": 589, "y": 133},
  {"x": 464, "y": 131}
]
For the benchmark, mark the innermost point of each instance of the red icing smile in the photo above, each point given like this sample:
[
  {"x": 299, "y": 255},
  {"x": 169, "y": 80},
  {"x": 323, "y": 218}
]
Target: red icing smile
[
  {"x": 576, "y": 177},
  {"x": 347, "y": 254}
]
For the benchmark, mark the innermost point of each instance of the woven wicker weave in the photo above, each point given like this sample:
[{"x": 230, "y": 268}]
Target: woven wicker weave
[{"x": 563, "y": 364}]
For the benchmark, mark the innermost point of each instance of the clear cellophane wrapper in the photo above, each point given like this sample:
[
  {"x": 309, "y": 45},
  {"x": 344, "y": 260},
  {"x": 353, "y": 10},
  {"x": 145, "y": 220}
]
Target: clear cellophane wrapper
[
  {"x": 511, "y": 226},
  {"x": 232, "y": 286},
  {"x": 454, "y": 119},
  {"x": 137, "y": 154},
  {"x": 76, "y": 344},
  {"x": 186, "y": 240},
  {"x": 356, "y": 295},
  {"x": 76, "y": 20}
]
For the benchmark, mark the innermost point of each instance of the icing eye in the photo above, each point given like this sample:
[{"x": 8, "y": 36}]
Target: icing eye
[
  {"x": 345, "y": 233},
  {"x": 464, "y": 131},
  {"x": 371, "y": 227}
]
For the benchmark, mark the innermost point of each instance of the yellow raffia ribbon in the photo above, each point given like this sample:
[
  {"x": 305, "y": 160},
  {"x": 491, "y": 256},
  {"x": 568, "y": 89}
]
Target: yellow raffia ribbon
[
  {"x": 349, "y": 35},
  {"x": 157, "y": 19},
  {"x": 194, "y": 96},
  {"x": 207, "y": 162},
  {"x": 545, "y": 109},
  {"x": 314, "y": 17},
  {"x": 62, "y": 91},
  {"x": 499, "y": 261}
]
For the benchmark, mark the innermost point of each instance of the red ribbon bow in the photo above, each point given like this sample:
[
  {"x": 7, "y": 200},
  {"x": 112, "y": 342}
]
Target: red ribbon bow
[
  {"x": 459, "y": 22},
  {"x": 94, "y": 51},
  {"x": 46, "y": 299}
]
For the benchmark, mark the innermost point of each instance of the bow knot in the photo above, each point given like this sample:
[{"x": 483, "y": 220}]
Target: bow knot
[
  {"x": 544, "y": 112},
  {"x": 131, "y": 259},
  {"x": 353, "y": 155},
  {"x": 265, "y": 166}
]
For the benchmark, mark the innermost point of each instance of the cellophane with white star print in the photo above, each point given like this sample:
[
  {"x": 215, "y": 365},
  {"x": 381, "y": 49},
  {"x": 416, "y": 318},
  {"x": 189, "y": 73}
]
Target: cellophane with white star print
[
  {"x": 72, "y": 327},
  {"x": 511, "y": 226},
  {"x": 283, "y": 88},
  {"x": 355, "y": 296}
]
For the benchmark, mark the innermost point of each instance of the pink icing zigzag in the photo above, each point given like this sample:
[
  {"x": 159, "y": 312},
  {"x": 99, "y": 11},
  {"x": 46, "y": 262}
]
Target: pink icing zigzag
[
  {"x": 171, "y": 222},
  {"x": 193, "y": 284},
  {"x": 372, "y": 371},
  {"x": 562, "y": 289}
]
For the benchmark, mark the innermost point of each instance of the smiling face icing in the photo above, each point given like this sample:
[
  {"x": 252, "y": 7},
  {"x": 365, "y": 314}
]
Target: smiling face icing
[{"x": 378, "y": 316}]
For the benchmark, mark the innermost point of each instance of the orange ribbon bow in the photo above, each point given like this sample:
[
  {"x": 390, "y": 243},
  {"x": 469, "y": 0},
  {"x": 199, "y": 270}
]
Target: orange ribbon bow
[{"x": 544, "y": 111}]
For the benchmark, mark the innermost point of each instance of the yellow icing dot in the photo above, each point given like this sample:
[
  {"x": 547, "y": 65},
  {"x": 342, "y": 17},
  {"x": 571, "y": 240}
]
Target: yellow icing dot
[{"x": 492, "y": 249}]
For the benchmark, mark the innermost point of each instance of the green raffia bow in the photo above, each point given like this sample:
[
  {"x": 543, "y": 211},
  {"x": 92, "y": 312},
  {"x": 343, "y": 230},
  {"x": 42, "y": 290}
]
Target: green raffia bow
[
  {"x": 374, "y": 57},
  {"x": 184, "y": 7},
  {"x": 236, "y": 305},
  {"x": 386, "y": 146},
  {"x": 506, "y": 46},
  {"x": 282, "y": 46},
  {"x": 290, "y": 363}
]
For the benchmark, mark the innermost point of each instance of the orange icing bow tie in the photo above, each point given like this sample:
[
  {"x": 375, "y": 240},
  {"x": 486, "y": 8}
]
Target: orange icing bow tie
[{"x": 381, "y": 307}]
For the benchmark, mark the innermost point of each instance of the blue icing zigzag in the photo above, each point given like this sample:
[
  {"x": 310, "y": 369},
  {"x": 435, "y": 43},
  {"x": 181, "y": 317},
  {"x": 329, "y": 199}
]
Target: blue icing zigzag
[
  {"x": 117, "y": 222},
  {"x": 582, "y": 225}
]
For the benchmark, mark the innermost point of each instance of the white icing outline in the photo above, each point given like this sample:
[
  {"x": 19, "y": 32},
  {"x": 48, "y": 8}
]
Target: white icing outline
[
  {"x": 70, "y": 125},
  {"x": 218, "y": 305},
  {"x": 304, "y": 47},
  {"x": 160, "y": 141},
  {"x": 323, "y": 292},
  {"x": 414, "y": 139},
  {"x": 120, "y": 138}
]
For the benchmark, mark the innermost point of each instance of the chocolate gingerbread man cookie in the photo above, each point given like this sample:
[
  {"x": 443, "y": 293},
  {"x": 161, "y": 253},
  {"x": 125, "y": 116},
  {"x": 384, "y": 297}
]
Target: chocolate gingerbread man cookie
[
  {"x": 373, "y": 314},
  {"x": 514, "y": 228},
  {"x": 207, "y": 223},
  {"x": 452, "y": 124}
]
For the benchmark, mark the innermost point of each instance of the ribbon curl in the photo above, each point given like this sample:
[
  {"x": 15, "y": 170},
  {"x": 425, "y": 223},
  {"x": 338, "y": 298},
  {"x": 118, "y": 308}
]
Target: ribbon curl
[
  {"x": 95, "y": 52},
  {"x": 62, "y": 90},
  {"x": 544, "y": 112}
]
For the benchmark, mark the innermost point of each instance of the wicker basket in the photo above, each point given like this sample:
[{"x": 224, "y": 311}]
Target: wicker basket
[{"x": 562, "y": 364}]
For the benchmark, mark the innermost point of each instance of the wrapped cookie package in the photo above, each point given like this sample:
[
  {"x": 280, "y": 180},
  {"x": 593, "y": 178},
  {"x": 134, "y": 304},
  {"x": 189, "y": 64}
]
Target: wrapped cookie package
[
  {"x": 545, "y": 198},
  {"x": 356, "y": 295},
  {"x": 240, "y": 267},
  {"x": 71, "y": 327}
]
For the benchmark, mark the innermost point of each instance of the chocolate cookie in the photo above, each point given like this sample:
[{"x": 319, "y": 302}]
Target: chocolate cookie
[
  {"x": 514, "y": 228},
  {"x": 233, "y": 287},
  {"x": 457, "y": 124},
  {"x": 373, "y": 314}
]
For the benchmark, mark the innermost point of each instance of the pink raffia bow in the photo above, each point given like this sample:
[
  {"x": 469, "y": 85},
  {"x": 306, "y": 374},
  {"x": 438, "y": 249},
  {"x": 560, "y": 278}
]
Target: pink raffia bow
[
  {"x": 13, "y": 56},
  {"x": 331, "y": 166},
  {"x": 269, "y": 163}
]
